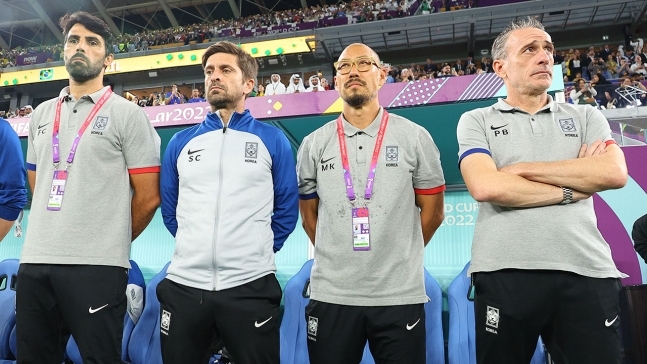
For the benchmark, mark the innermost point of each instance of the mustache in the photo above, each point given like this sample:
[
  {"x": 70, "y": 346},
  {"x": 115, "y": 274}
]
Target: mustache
[
  {"x": 354, "y": 80},
  {"x": 82, "y": 56},
  {"x": 217, "y": 84}
]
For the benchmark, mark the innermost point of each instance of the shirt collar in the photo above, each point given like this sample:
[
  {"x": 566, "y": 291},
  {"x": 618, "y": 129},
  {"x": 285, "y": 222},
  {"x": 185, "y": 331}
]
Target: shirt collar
[
  {"x": 65, "y": 92},
  {"x": 503, "y": 106},
  {"x": 370, "y": 130}
]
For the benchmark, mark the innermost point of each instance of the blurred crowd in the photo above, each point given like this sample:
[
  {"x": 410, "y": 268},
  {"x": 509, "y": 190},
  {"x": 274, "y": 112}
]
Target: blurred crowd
[{"x": 357, "y": 11}]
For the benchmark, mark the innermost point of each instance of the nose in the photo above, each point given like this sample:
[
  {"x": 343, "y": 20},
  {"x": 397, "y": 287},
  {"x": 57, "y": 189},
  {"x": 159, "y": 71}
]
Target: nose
[{"x": 545, "y": 57}]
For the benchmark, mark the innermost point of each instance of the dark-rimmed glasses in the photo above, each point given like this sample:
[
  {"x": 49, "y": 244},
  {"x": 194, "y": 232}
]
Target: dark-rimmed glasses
[{"x": 363, "y": 64}]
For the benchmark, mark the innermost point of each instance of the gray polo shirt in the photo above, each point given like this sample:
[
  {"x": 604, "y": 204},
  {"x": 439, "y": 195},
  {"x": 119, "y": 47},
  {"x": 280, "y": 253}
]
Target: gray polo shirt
[
  {"x": 556, "y": 237},
  {"x": 94, "y": 224},
  {"x": 391, "y": 272}
]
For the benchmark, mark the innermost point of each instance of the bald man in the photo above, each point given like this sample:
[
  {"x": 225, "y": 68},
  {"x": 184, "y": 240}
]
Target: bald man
[{"x": 370, "y": 227}]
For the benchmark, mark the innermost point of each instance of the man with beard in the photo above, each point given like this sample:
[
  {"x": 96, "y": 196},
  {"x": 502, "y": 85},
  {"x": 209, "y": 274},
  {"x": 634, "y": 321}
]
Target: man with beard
[
  {"x": 314, "y": 84},
  {"x": 276, "y": 87},
  {"x": 391, "y": 199},
  {"x": 295, "y": 86},
  {"x": 540, "y": 266},
  {"x": 229, "y": 196},
  {"x": 94, "y": 192}
]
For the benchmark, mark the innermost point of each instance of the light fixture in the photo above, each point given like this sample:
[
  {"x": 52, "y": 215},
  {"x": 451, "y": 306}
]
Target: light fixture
[
  {"x": 273, "y": 61},
  {"x": 300, "y": 58},
  {"x": 152, "y": 74},
  {"x": 284, "y": 61},
  {"x": 261, "y": 64},
  {"x": 6, "y": 96}
]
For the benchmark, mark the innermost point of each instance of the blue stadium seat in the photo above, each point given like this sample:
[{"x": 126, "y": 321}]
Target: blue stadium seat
[
  {"x": 13, "y": 342},
  {"x": 294, "y": 349},
  {"x": 135, "y": 304},
  {"x": 8, "y": 275},
  {"x": 144, "y": 346},
  {"x": 434, "y": 321},
  {"x": 461, "y": 345}
]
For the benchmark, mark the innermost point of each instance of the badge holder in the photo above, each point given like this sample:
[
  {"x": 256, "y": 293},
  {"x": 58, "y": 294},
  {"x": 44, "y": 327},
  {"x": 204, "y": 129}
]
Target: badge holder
[
  {"x": 57, "y": 191},
  {"x": 361, "y": 229}
]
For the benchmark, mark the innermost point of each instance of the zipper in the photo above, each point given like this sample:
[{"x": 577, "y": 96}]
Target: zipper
[{"x": 214, "y": 281}]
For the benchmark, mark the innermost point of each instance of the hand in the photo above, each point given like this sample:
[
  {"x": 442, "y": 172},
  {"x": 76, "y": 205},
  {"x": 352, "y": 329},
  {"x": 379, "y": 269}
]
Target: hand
[{"x": 598, "y": 147}]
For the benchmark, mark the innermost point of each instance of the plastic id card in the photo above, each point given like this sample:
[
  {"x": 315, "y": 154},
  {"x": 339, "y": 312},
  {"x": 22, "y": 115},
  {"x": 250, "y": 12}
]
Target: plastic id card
[
  {"x": 57, "y": 191},
  {"x": 361, "y": 229}
]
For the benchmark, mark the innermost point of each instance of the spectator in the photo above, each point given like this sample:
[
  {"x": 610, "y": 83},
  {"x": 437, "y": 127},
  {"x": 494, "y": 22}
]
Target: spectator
[
  {"x": 261, "y": 90},
  {"x": 276, "y": 87},
  {"x": 486, "y": 65},
  {"x": 324, "y": 84},
  {"x": 313, "y": 81},
  {"x": 391, "y": 76},
  {"x": 574, "y": 66},
  {"x": 638, "y": 66},
  {"x": 470, "y": 69},
  {"x": 195, "y": 96},
  {"x": 624, "y": 69},
  {"x": 426, "y": 8},
  {"x": 430, "y": 67},
  {"x": 612, "y": 65},
  {"x": 445, "y": 71},
  {"x": 599, "y": 66},
  {"x": 28, "y": 111},
  {"x": 583, "y": 93},
  {"x": 174, "y": 96},
  {"x": 605, "y": 52},
  {"x": 459, "y": 65},
  {"x": 296, "y": 86},
  {"x": 406, "y": 76}
]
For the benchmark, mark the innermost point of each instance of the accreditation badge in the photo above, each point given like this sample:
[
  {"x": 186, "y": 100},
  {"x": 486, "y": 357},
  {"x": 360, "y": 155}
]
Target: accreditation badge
[
  {"x": 361, "y": 229},
  {"x": 57, "y": 191}
]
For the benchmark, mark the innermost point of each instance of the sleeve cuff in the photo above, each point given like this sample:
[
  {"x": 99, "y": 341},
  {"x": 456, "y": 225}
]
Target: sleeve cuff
[
  {"x": 472, "y": 151},
  {"x": 429, "y": 191},
  {"x": 144, "y": 170},
  {"x": 309, "y": 196},
  {"x": 31, "y": 167}
]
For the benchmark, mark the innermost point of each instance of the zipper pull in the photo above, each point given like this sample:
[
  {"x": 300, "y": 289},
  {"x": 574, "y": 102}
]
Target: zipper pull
[{"x": 224, "y": 129}]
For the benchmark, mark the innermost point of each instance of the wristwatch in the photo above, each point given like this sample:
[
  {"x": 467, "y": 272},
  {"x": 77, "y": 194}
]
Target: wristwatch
[{"x": 568, "y": 196}]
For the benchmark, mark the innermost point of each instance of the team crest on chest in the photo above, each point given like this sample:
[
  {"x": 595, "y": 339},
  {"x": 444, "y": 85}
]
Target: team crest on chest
[
  {"x": 391, "y": 155},
  {"x": 100, "y": 123},
  {"x": 251, "y": 152},
  {"x": 567, "y": 125}
]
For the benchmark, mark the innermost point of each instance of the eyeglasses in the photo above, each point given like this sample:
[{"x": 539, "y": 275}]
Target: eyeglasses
[{"x": 363, "y": 64}]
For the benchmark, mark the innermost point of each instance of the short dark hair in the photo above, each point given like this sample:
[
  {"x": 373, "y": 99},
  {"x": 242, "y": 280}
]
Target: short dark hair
[
  {"x": 91, "y": 23},
  {"x": 246, "y": 62}
]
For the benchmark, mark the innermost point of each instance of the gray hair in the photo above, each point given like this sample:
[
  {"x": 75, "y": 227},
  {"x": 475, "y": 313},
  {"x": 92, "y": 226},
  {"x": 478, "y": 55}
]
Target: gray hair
[{"x": 499, "y": 45}]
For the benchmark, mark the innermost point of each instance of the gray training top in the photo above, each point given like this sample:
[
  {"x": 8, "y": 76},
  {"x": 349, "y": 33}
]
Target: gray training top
[
  {"x": 391, "y": 273},
  {"x": 94, "y": 224},
  {"x": 556, "y": 237}
]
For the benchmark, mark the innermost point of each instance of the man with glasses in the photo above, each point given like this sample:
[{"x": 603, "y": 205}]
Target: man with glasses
[{"x": 369, "y": 224}]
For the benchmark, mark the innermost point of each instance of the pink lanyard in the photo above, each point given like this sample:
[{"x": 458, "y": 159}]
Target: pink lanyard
[
  {"x": 348, "y": 179},
  {"x": 57, "y": 123}
]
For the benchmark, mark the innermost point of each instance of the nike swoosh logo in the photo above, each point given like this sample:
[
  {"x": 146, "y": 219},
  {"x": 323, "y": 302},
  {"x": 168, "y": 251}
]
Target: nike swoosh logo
[
  {"x": 498, "y": 127},
  {"x": 608, "y": 323},
  {"x": 327, "y": 160},
  {"x": 412, "y": 326},
  {"x": 257, "y": 324},
  {"x": 42, "y": 126},
  {"x": 194, "y": 151},
  {"x": 93, "y": 310}
]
